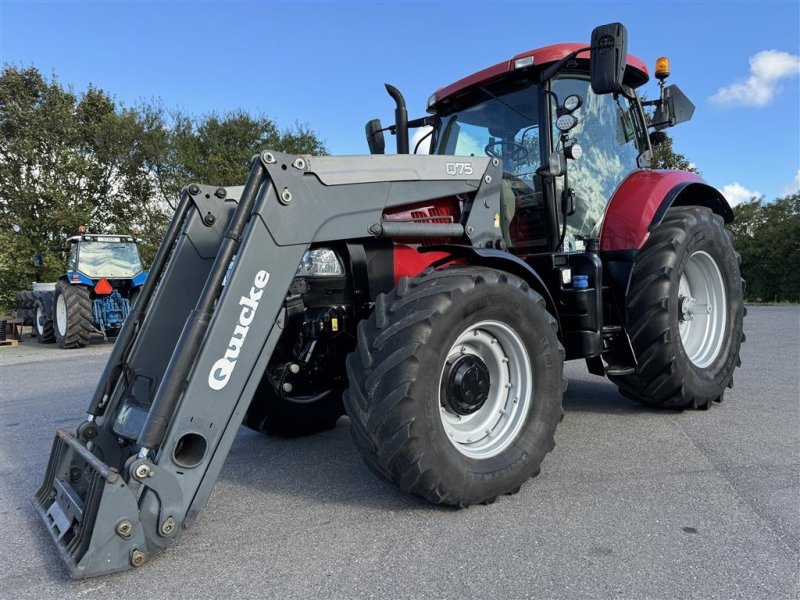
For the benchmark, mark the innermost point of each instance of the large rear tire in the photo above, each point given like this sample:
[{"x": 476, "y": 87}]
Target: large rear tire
[
  {"x": 684, "y": 312},
  {"x": 42, "y": 325},
  {"x": 456, "y": 385},
  {"x": 72, "y": 315}
]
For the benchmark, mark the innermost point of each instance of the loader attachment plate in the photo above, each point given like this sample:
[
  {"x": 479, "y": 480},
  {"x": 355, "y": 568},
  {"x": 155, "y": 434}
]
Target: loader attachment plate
[{"x": 78, "y": 491}]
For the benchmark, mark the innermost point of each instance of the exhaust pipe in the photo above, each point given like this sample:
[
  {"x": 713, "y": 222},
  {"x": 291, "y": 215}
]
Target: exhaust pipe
[{"x": 400, "y": 118}]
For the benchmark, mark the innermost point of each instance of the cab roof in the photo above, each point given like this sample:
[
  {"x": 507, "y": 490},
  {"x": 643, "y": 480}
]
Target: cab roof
[{"x": 636, "y": 73}]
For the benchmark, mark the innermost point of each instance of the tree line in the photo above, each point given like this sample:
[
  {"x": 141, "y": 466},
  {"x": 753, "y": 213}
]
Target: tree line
[
  {"x": 69, "y": 159},
  {"x": 766, "y": 236}
]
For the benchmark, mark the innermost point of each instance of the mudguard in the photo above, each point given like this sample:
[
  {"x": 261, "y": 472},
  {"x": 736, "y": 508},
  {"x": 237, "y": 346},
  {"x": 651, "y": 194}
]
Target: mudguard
[
  {"x": 643, "y": 198},
  {"x": 47, "y": 302}
]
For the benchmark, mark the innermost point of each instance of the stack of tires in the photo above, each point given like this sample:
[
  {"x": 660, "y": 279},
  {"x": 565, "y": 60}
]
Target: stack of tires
[{"x": 26, "y": 306}]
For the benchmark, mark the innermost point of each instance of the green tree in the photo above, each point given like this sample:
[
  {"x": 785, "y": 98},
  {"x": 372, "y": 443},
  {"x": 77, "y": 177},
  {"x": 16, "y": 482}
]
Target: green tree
[
  {"x": 216, "y": 148},
  {"x": 665, "y": 156},
  {"x": 767, "y": 235},
  {"x": 67, "y": 160},
  {"x": 70, "y": 159}
]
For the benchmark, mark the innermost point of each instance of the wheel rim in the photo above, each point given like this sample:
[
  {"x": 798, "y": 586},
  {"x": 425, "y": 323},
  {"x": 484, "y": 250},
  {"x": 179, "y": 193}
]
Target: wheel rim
[
  {"x": 39, "y": 320},
  {"x": 493, "y": 425},
  {"x": 61, "y": 315},
  {"x": 702, "y": 309}
]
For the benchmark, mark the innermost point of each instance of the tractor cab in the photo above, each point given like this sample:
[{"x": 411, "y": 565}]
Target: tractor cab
[
  {"x": 568, "y": 125},
  {"x": 104, "y": 256},
  {"x": 511, "y": 112}
]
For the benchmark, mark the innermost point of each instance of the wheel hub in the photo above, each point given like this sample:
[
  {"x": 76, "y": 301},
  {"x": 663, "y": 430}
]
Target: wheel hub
[
  {"x": 485, "y": 389},
  {"x": 468, "y": 385},
  {"x": 690, "y": 307}
]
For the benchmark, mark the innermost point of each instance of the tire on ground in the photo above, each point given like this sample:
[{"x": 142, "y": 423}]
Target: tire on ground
[
  {"x": 272, "y": 414},
  {"x": 42, "y": 324},
  {"x": 72, "y": 315},
  {"x": 666, "y": 375},
  {"x": 400, "y": 399}
]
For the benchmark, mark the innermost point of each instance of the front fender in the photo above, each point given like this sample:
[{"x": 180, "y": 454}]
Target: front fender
[
  {"x": 643, "y": 198},
  {"x": 502, "y": 261}
]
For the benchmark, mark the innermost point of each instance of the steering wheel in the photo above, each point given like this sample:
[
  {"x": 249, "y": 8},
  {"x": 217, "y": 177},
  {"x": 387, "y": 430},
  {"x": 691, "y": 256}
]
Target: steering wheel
[{"x": 507, "y": 150}]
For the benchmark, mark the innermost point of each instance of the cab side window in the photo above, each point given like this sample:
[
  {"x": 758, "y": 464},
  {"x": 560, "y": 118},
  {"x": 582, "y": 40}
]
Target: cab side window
[{"x": 611, "y": 146}]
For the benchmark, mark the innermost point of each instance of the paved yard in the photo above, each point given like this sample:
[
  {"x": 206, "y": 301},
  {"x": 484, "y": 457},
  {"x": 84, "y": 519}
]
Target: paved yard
[{"x": 633, "y": 503}]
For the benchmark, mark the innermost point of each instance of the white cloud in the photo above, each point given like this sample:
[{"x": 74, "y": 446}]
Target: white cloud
[
  {"x": 793, "y": 187},
  {"x": 735, "y": 193},
  {"x": 767, "y": 69}
]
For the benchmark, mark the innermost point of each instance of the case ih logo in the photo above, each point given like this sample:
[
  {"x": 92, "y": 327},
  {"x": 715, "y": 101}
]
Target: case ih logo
[
  {"x": 222, "y": 369},
  {"x": 458, "y": 168}
]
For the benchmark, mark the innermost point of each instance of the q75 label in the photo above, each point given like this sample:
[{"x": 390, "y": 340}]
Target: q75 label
[{"x": 458, "y": 168}]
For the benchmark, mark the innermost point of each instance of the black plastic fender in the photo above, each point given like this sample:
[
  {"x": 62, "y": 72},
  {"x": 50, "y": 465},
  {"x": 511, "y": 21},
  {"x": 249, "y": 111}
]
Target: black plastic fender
[
  {"x": 502, "y": 261},
  {"x": 47, "y": 299},
  {"x": 690, "y": 193}
]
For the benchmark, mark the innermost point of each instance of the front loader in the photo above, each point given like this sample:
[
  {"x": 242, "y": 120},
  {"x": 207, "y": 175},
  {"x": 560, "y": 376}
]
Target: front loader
[{"x": 431, "y": 298}]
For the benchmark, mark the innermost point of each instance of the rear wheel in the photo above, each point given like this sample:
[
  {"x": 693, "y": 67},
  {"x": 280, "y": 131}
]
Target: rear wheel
[
  {"x": 456, "y": 385},
  {"x": 72, "y": 312},
  {"x": 684, "y": 312},
  {"x": 43, "y": 326}
]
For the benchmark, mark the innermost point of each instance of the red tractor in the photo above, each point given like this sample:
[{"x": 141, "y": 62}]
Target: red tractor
[{"x": 431, "y": 298}]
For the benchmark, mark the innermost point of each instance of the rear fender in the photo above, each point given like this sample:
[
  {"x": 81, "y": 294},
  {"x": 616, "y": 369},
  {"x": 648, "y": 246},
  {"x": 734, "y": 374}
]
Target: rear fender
[
  {"x": 643, "y": 198},
  {"x": 47, "y": 302}
]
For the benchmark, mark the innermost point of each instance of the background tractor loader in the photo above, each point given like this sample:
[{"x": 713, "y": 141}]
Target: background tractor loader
[{"x": 433, "y": 299}]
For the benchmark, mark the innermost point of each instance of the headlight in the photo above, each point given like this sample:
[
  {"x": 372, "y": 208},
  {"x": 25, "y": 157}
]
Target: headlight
[{"x": 320, "y": 262}]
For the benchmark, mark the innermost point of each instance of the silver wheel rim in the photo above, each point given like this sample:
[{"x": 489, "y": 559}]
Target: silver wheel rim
[
  {"x": 61, "y": 315},
  {"x": 39, "y": 320},
  {"x": 702, "y": 309},
  {"x": 497, "y": 423}
]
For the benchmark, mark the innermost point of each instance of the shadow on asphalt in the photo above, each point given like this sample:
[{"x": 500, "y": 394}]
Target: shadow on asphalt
[
  {"x": 325, "y": 467},
  {"x": 601, "y": 396}
]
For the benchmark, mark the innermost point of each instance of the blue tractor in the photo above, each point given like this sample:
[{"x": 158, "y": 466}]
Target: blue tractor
[{"x": 92, "y": 299}]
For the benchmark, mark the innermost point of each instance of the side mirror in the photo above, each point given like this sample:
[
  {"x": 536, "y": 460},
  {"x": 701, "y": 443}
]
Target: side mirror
[
  {"x": 673, "y": 108},
  {"x": 375, "y": 139},
  {"x": 608, "y": 57}
]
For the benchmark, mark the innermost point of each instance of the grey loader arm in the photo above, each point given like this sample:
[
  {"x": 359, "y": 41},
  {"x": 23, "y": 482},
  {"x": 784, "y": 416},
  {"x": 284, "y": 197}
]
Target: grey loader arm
[{"x": 189, "y": 358}]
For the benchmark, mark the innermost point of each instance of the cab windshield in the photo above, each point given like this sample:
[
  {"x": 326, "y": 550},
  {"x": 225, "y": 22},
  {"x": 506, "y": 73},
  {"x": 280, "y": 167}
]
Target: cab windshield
[
  {"x": 109, "y": 259},
  {"x": 504, "y": 125}
]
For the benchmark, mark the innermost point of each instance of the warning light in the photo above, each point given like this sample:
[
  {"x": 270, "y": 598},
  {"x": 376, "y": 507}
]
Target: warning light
[{"x": 662, "y": 68}]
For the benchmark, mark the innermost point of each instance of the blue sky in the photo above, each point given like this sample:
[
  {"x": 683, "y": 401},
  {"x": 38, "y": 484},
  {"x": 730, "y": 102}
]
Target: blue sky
[{"x": 325, "y": 63}]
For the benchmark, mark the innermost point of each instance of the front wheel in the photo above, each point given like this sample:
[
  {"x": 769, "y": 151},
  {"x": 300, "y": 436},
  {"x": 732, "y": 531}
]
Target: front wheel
[
  {"x": 292, "y": 416},
  {"x": 684, "y": 312},
  {"x": 456, "y": 385}
]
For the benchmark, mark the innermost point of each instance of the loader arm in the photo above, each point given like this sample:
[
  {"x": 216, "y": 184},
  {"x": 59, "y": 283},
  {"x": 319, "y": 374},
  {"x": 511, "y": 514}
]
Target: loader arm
[{"x": 190, "y": 356}]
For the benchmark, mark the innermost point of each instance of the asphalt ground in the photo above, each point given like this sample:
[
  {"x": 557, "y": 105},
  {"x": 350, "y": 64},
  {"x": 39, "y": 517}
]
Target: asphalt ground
[{"x": 632, "y": 503}]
